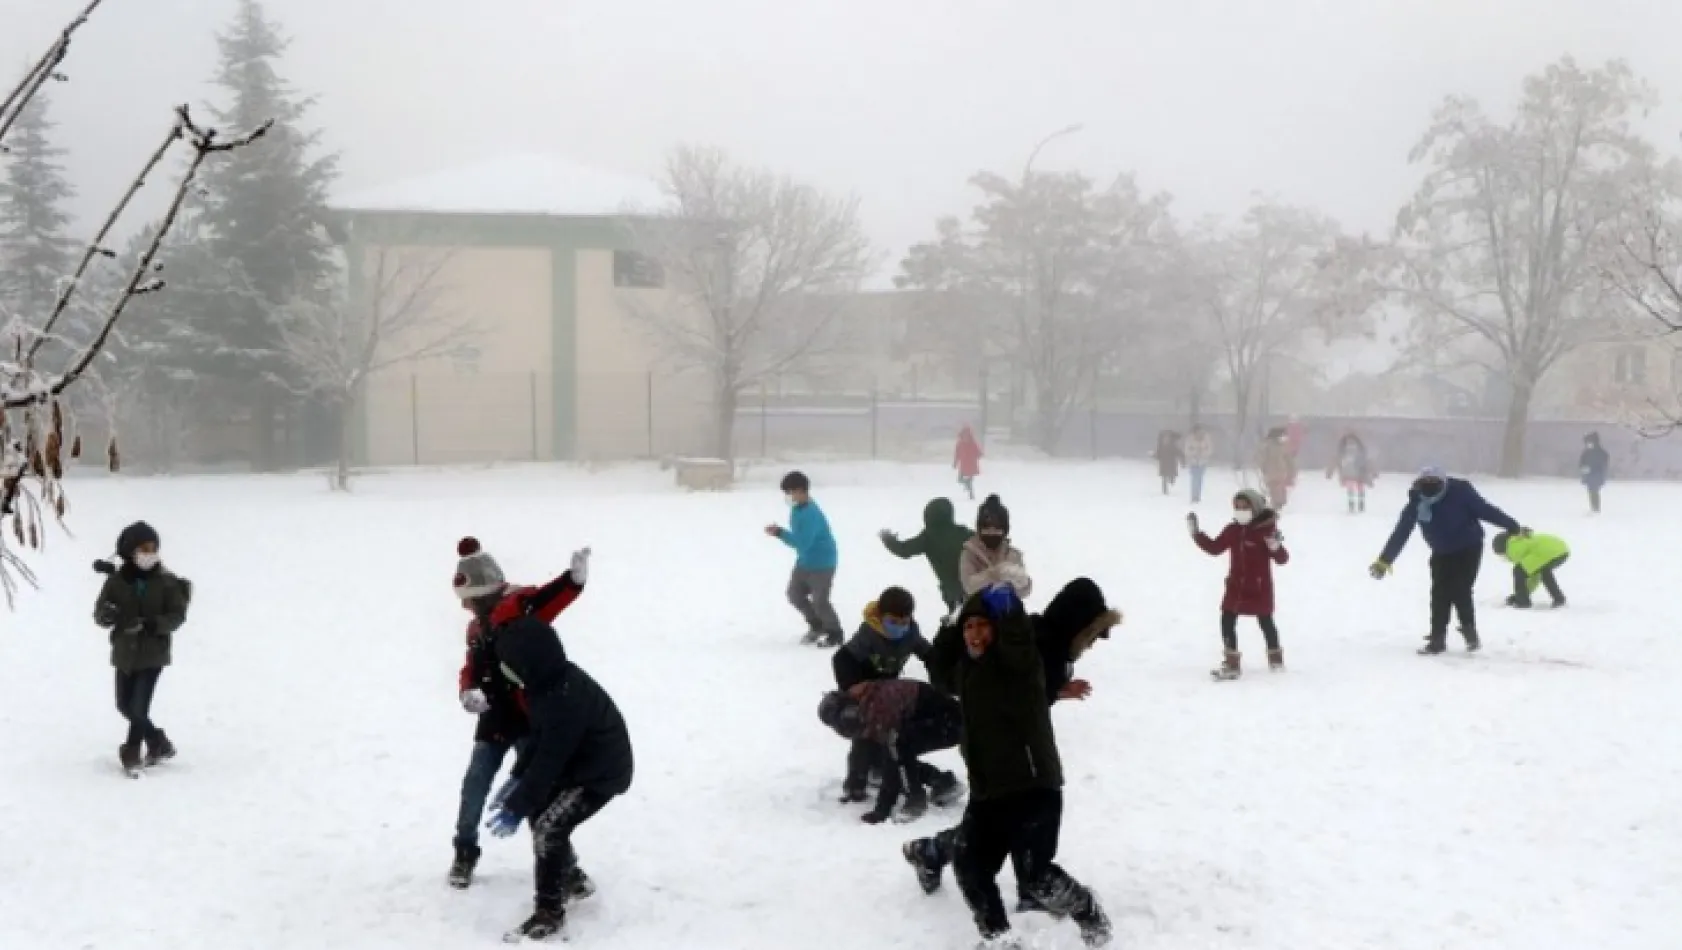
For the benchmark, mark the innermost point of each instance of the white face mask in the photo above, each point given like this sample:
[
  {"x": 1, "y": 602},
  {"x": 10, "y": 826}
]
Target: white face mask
[
  {"x": 1243, "y": 515},
  {"x": 145, "y": 561},
  {"x": 788, "y": 500}
]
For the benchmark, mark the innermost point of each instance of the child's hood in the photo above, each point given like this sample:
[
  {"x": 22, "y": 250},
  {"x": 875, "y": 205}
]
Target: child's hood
[
  {"x": 939, "y": 513},
  {"x": 873, "y": 617}
]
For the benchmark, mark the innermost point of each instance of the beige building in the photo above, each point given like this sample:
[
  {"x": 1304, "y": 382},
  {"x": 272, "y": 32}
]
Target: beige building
[{"x": 536, "y": 254}]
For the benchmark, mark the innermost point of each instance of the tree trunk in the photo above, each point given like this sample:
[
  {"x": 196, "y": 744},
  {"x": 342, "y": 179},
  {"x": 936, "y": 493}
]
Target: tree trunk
[
  {"x": 1518, "y": 424},
  {"x": 341, "y": 471},
  {"x": 724, "y": 421},
  {"x": 1048, "y": 416},
  {"x": 1241, "y": 421}
]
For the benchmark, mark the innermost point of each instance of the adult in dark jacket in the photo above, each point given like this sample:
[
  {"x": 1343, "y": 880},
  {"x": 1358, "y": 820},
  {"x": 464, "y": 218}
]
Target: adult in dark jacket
[
  {"x": 885, "y": 641},
  {"x": 1593, "y": 466},
  {"x": 142, "y": 604},
  {"x": 1449, "y": 513},
  {"x": 942, "y": 542},
  {"x": 578, "y": 759},
  {"x": 1016, "y": 778}
]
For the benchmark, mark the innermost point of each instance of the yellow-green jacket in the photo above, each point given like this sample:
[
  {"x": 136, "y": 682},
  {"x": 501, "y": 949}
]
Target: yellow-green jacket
[{"x": 1535, "y": 552}]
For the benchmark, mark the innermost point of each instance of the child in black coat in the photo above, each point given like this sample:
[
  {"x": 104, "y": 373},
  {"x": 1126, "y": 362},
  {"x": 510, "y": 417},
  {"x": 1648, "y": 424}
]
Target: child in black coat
[
  {"x": 900, "y": 721},
  {"x": 886, "y": 640}
]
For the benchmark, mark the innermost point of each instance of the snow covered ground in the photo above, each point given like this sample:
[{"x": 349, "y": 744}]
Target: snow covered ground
[{"x": 1527, "y": 798}]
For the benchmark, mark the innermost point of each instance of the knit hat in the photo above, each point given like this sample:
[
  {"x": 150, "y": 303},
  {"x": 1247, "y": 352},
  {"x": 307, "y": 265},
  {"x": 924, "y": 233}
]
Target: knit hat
[
  {"x": 132, "y": 537},
  {"x": 477, "y": 573},
  {"x": 993, "y": 514}
]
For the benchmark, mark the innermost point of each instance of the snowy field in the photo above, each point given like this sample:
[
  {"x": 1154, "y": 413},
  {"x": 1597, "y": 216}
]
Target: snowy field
[{"x": 1527, "y": 798}]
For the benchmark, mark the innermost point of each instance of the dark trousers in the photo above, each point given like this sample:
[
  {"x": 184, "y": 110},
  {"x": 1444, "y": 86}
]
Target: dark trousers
[
  {"x": 937, "y": 725},
  {"x": 551, "y": 839},
  {"x": 476, "y": 784},
  {"x": 1024, "y": 827},
  {"x": 1521, "y": 582},
  {"x": 1594, "y": 498},
  {"x": 1229, "y": 631},
  {"x": 1453, "y": 575},
  {"x": 134, "y": 701}
]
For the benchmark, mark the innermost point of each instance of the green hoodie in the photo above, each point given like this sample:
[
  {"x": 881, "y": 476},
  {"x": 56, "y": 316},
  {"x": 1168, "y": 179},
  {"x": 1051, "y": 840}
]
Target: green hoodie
[
  {"x": 1535, "y": 552},
  {"x": 942, "y": 542}
]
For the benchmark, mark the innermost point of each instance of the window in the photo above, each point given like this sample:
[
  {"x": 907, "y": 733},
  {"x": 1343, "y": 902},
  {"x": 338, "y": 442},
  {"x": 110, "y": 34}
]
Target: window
[
  {"x": 1630, "y": 369},
  {"x": 637, "y": 271}
]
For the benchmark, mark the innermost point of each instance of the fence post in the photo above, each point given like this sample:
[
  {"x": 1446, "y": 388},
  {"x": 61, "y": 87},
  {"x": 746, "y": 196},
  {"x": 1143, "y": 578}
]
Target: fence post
[
  {"x": 764, "y": 404},
  {"x": 414, "y": 416},
  {"x": 534, "y": 415},
  {"x": 875, "y": 417},
  {"x": 1092, "y": 427},
  {"x": 984, "y": 403},
  {"x": 651, "y": 414}
]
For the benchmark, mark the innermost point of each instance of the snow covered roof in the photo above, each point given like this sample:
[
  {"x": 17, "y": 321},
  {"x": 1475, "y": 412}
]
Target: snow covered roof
[{"x": 514, "y": 184}]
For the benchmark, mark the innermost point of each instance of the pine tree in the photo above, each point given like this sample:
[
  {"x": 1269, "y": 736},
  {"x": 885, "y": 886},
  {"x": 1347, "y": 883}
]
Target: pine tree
[
  {"x": 35, "y": 256},
  {"x": 266, "y": 211}
]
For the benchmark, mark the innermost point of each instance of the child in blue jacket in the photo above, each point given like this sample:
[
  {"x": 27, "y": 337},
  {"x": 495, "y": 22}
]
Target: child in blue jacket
[{"x": 815, "y": 559}]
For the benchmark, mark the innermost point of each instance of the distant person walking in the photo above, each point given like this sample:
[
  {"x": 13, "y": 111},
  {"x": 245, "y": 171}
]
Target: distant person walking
[
  {"x": 1593, "y": 466},
  {"x": 966, "y": 458},
  {"x": 1199, "y": 450}
]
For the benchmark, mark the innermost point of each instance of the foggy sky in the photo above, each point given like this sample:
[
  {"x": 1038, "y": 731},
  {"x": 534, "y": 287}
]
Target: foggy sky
[{"x": 899, "y": 101}]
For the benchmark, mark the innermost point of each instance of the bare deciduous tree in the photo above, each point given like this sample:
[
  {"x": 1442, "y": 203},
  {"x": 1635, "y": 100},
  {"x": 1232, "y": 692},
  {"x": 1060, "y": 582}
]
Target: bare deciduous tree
[
  {"x": 34, "y": 439},
  {"x": 1646, "y": 272},
  {"x": 400, "y": 316},
  {"x": 1501, "y": 244},
  {"x": 758, "y": 270},
  {"x": 1281, "y": 278}
]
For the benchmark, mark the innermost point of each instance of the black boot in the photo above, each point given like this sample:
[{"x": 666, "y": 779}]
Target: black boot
[
  {"x": 129, "y": 755},
  {"x": 1094, "y": 924},
  {"x": 919, "y": 854},
  {"x": 946, "y": 791},
  {"x": 461, "y": 869},
  {"x": 159, "y": 749},
  {"x": 576, "y": 885},
  {"x": 541, "y": 925},
  {"x": 1473, "y": 644},
  {"x": 1433, "y": 645}
]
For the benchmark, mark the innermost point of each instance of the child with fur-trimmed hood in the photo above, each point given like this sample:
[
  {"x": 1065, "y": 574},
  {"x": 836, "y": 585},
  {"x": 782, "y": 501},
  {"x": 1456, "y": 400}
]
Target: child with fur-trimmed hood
[
  {"x": 989, "y": 558},
  {"x": 1255, "y": 545}
]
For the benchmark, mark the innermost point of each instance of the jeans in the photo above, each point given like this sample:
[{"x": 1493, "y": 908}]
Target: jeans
[
  {"x": 808, "y": 591},
  {"x": 134, "y": 701},
  {"x": 1453, "y": 575},
  {"x": 482, "y": 768},
  {"x": 1196, "y": 483}
]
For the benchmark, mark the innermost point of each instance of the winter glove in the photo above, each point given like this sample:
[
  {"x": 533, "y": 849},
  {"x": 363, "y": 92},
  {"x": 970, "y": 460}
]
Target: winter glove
[
  {"x": 474, "y": 701},
  {"x": 1013, "y": 575},
  {"x": 1380, "y": 569},
  {"x": 1191, "y": 525},
  {"x": 503, "y": 823},
  {"x": 1000, "y": 599},
  {"x": 502, "y": 793},
  {"x": 580, "y": 566},
  {"x": 1275, "y": 541}
]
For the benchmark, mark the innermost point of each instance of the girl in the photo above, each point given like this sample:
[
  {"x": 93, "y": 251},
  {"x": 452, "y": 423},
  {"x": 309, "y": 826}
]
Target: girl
[
  {"x": 142, "y": 604},
  {"x": 1255, "y": 542},
  {"x": 1354, "y": 469},
  {"x": 966, "y": 458}
]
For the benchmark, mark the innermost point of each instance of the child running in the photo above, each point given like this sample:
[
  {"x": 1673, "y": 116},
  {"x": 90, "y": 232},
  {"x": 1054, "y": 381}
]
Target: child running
[
  {"x": 1255, "y": 544},
  {"x": 942, "y": 542},
  {"x": 815, "y": 558}
]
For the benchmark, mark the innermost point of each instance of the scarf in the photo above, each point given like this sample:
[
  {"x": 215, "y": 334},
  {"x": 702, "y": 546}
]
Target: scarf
[{"x": 1427, "y": 502}]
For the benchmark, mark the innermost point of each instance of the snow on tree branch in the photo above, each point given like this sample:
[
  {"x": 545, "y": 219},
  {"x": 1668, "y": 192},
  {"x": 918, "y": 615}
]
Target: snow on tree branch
[{"x": 35, "y": 434}]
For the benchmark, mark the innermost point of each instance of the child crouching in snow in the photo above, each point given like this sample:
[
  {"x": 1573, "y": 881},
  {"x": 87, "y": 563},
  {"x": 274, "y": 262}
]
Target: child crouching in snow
[
  {"x": 886, "y": 640},
  {"x": 903, "y": 720},
  {"x": 1535, "y": 558},
  {"x": 1256, "y": 545}
]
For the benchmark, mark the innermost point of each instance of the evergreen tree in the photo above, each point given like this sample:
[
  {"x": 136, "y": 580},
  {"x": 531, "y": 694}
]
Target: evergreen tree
[
  {"x": 265, "y": 211},
  {"x": 35, "y": 256}
]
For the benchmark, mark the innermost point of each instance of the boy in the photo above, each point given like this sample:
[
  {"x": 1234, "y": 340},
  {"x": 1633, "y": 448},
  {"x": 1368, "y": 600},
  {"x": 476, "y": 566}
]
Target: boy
[
  {"x": 886, "y": 639},
  {"x": 1015, "y": 776},
  {"x": 579, "y": 759},
  {"x": 142, "y": 604},
  {"x": 815, "y": 559},
  {"x": 901, "y": 720},
  {"x": 942, "y": 542},
  {"x": 989, "y": 558},
  {"x": 1535, "y": 558},
  {"x": 485, "y": 689}
]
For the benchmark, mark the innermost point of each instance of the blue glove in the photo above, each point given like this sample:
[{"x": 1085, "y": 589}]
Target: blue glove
[
  {"x": 502, "y": 793},
  {"x": 503, "y": 823},
  {"x": 1000, "y": 599}
]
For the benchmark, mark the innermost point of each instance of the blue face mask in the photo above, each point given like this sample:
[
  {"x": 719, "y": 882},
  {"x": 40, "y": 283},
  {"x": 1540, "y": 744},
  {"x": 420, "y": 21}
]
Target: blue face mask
[{"x": 895, "y": 629}]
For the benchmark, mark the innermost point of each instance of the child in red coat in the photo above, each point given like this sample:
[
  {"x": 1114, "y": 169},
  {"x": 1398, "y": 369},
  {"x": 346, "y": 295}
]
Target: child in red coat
[
  {"x": 1255, "y": 542},
  {"x": 966, "y": 458}
]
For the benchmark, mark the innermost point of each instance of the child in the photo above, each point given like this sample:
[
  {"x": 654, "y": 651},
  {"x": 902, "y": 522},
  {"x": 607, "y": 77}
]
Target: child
[
  {"x": 1199, "y": 452},
  {"x": 1255, "y": 542},
  {"x": 1593, "y": 466},
  {"x": 988, "y": 558},
  {"x": 942, "y": 541},
  {"x": 1354, "y": 469},
  {"x": 886, "y": 639},
  {"x": 1278, "y": 467},
  {"x": 142, "y": 604},
  {"x": 900, "y": 721},
  {"x": 1535, "y": 558},
  {"x": 815, "y": 559},
  {"x": 1169, "y": 458},
  {"x": 966, "y": 458},
  {"x": 486, "y": 691}
]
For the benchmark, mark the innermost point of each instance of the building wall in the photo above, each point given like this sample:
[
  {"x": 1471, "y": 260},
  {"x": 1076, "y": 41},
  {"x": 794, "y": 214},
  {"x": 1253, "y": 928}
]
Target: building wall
[{"x": 492, "y": 403}]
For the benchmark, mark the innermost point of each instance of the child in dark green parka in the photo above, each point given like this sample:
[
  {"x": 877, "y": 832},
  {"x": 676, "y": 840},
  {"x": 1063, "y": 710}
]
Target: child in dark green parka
[
  {"x": 142, "y": 604},
  {"x": 942, "y": 542}
]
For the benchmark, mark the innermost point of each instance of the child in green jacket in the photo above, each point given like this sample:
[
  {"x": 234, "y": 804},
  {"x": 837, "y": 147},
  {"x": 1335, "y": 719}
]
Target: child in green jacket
[
  {"x": 1535, "y": 558},
  {"x": 942, "y": 542}
]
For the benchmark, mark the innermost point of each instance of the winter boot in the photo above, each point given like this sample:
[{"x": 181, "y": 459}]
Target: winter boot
[
  {"x": 946, "y": 791},
  {"x": 832, "y": 639},
  {"x": 1559, "y": 602},
  {"x": 852, "y": 792},
  {"x": 814, "y": 637},
  {"x": 1027, "y": 903},
  {"x": 129, "y": 756},
  {"x": 919, "y": 853},
  {"x": 461, "y": 869},
  {"x": 1231, "y": 667},
  {"x": 1473, "y": 644},
  {"x": 1276, "y": 660},
  {"x": 1433, "y": 645},
  {"x": 159, "y": 749},
  {"x": 1094, "y": 924},
  {"x": 541, "y": 925},
  {"x": 577, "y": 885},
  {"x": 913, "y": 808}
]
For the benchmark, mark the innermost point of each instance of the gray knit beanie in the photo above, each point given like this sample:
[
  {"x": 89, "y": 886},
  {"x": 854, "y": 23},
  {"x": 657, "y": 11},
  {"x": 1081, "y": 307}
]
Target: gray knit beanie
[{"x": 477, "y": 573}]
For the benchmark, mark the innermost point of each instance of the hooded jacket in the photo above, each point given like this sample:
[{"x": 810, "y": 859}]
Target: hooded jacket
[
  {"x": 1594, "y": 464},
  {"x": 1532, "y": 554},
  {"x": 142, "y": 609},
  {"x": 871, "y": 655},
  {"x": 506, "y": 720},
  {"x": 578, "y": 738},
  {"x": 1008, "y": 742},
  {"x": 1068, "y": 626},
  {"x": 1249, "y": 579},
  {"x": 942, "y": 543}
]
